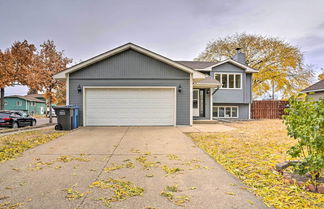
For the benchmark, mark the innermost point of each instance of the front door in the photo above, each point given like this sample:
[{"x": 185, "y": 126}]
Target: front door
[{"x": 195, "y": 103}]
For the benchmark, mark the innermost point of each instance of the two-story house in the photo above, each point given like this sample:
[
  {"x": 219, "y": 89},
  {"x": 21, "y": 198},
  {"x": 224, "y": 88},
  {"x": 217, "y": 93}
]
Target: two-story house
[
  {"x": 132, "y": 86},
  {"x": 33, "y": 104}
]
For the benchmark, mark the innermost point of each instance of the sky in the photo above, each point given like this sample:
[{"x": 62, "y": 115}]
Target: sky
[{"x": 178, "y": 29}]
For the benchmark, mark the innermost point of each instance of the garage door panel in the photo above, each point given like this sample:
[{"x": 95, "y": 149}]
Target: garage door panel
[{"x": 130, "y": 106}]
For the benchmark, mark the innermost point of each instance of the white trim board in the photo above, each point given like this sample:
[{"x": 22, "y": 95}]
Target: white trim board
[
  {"x": 129, "y": 87},
  {"x": 191, "y": 100},
  {"x": 62, "y": 74},
  {"x": 310, "y": 91},
  {"x": 211, "y": 103},
  {"x": 67, "y": 90}
]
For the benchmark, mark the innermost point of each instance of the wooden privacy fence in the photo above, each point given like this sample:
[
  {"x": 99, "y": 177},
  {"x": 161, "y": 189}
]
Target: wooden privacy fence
[{"x": 268, "y": 109}]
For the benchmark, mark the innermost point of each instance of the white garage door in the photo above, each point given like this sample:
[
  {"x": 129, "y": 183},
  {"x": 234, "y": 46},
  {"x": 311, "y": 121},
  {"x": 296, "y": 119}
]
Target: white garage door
[{"x": 129, "y": 106}]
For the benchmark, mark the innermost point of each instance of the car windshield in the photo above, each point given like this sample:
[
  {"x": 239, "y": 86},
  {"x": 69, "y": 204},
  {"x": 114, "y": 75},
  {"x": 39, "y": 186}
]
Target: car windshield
[{"x": 4, "y": 115}]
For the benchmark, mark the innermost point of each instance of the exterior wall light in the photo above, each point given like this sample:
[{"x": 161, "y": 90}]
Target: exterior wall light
[
  {"x": 79, "y": 89},
  {"x": 179, "y": 88}
]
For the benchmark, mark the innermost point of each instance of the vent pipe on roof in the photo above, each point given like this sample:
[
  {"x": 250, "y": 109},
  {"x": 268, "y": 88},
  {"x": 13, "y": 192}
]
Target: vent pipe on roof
[{"x": 239, "y": 56}]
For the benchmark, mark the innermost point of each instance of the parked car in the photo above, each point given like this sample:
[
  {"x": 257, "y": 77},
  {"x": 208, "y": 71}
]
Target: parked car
[
  {"x": 16, "y": 119},
  {"x": 48, "y": 113}
]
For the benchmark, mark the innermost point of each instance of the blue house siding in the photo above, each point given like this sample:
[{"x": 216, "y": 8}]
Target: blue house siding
[
  {"x": 11, "y": 104},
  {"x": 242, "y": 95},
  {"x": 131, "y": 68},
  {"x": 234, "y": 97}
]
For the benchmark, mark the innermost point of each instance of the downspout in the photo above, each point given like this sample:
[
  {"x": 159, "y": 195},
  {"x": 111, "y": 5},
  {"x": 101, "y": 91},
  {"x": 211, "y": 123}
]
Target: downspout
[
  {"x": 215, "y": 90},
  {"x": 212, "y": 103}
]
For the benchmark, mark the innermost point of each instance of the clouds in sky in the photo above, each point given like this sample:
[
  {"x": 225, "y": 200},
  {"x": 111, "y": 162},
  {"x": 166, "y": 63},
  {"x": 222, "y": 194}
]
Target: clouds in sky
[{"x": 179, "y": 29}]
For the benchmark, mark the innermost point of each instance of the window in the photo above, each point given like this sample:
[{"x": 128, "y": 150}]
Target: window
[
  {"x": 225, "y": 112},
  {"x": 5, "y": 103},
  {"x": 229, "y": 80},
  {"x": 19, "y": 103},
  {"x": 32, "y": 103},
  {"x": 217, "y": 77}
]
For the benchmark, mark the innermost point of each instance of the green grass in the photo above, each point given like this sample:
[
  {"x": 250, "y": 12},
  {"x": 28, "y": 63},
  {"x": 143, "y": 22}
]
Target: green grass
[
  {"x": 14, "y": 145},
  {"x": 250, "y": 152}
]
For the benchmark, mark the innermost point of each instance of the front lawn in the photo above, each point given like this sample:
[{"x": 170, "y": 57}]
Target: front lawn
[
  {"x": 250, "y": 152},
  {"x": 13, "y": 145}
]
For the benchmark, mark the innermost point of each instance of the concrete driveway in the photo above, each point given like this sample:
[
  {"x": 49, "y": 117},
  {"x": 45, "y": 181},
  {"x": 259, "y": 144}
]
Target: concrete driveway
[{"x": 44, "y": 177}]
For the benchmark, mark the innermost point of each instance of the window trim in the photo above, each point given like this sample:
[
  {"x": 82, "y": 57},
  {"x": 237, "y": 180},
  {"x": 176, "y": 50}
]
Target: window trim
[
  {"x": 238, "y": 111},
  {"x": 221, "y": 79},
  {"x": 32, "y": 104},
  {"x": 5, "y": 103},
  {"x": 18, "y": 103}
]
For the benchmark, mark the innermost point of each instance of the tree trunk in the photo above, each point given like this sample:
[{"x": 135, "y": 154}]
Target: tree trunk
[
  {"x": 50, "y": 109},
  {"x": 2, "y": 98}
]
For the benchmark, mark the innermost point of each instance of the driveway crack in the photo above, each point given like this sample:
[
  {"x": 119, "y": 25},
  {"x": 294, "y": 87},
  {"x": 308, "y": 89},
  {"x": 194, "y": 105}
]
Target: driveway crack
[{"x": 102, "y": 170}]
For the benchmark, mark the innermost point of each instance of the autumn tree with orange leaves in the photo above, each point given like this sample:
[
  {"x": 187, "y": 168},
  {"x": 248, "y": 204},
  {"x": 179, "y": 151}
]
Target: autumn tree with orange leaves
[
  {"x": 22, "y": 64},
  {"x": 51, "y": 61},
  {"x": 19, "y": 65},
  {"x": 321, "y": 76}
]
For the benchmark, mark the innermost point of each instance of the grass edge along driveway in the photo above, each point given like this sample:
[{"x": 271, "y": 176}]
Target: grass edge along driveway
[{"x": 250, "y": 152}]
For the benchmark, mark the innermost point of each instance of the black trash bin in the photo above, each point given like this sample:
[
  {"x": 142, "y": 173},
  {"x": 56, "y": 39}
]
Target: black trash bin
[{"x": 64, "y": 116}]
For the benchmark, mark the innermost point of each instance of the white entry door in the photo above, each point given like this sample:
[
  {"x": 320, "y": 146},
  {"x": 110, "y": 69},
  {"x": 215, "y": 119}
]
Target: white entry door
[
  {"x": 195, "y": 102},
  {"x": 130, "y": 106}
]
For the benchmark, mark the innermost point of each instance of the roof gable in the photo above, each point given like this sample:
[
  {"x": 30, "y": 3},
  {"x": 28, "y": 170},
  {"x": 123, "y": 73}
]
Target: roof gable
[
  {"x": 319, "y": 86},
  {"x": 237, "y": 64},
  {"x": 197, "y": 64},
  {"x": 207, "y": 66},
  {"x": 64, "y": 73}
]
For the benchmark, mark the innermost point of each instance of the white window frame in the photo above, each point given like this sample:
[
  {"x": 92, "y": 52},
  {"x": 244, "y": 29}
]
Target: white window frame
[
  {"x": 221, "y": 79},
  {"x": 32, "y": 104},
  {"x": 5, "y": 103},
  {"x": 238, "y": 111},
  {"x": 18, "y": 103}
]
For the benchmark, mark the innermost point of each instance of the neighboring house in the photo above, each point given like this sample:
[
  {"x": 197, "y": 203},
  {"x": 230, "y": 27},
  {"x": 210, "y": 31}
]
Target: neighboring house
[
  {"x": 131, "y": 85},
  {"x": 315, "y": 91},
  {"x": 33, "y": 104}
]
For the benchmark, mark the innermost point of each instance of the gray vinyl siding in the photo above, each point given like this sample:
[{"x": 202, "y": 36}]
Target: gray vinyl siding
[
  {"x": 316, "y": 95},
  {"x": 129, "y": 64},
  {"x": 131, "y": 68},
  {"x": 243, "y": 110},
  {"x": 243, "y": 95}
]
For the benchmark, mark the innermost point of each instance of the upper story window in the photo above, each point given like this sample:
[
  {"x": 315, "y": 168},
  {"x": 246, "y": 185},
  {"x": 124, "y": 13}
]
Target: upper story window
[
  {"x": 19, "y": 103},
  {"x": 229, "y": 80},
  {"x": 5, "y": 103},
  {"x": 32, "y": 103}
]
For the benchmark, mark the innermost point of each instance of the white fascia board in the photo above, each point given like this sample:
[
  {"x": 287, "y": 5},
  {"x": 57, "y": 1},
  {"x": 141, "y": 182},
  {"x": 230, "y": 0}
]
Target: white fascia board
[
  {"x": 317, "y": 90},
  {"x": 62, "y": 75}
]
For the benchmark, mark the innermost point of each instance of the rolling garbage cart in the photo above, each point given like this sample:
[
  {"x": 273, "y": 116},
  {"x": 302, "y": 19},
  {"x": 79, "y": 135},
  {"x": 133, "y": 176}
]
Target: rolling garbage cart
[{"x": 67, "y": 117}]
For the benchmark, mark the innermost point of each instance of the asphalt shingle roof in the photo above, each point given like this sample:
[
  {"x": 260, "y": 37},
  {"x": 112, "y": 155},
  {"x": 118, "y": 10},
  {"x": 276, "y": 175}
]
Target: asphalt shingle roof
[
  {"x": 196, "y": 64},
  {"x": 27, "y": 97},
  {"x": 315, "y": 87}
]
